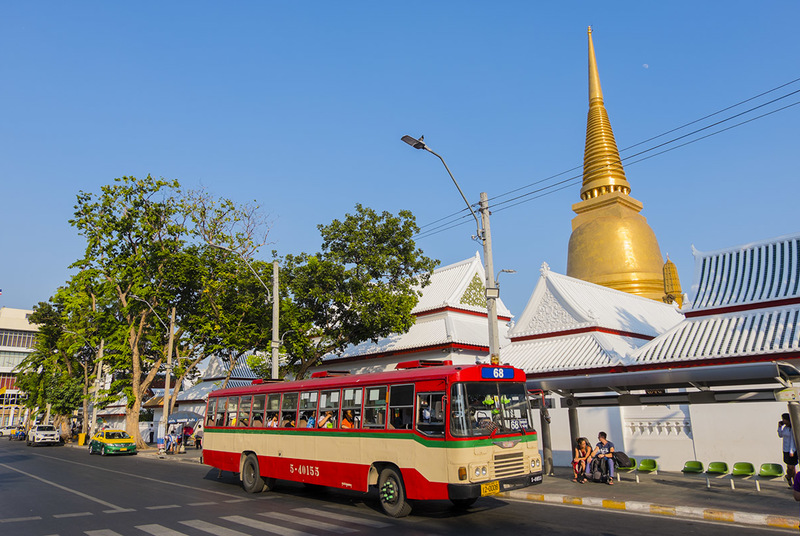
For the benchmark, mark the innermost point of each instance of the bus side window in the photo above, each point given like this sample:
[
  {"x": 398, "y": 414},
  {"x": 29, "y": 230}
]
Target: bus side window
[
  {"x": 288, "y": 418},
  {"x": 351, "y": 408},
  {"x": 221, "y": 404},
  {"x": 210, "y": 411},
  {"x": 375, "y": 408},
  {"x": 401, "y": 406},
  {"x": 430, "y": 414},
  {"x": 308, "y": 410},
  {"x": 328, "y": 409},
  {"x": 244, "y": 411},
  {"x": 258, "y": 412},
  {"x": 233, "y": 405}
]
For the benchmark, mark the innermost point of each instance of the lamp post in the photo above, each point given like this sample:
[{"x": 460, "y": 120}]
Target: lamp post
[
  {"x": 484, "y": 234},
  {"x": 89, "y": 427},
  {"x": 275, "y": 343},
  {"x": 162, "y": 428}
]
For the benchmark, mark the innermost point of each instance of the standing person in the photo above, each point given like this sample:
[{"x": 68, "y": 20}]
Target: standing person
[
  {"x": 789, "y": 448},
  {"x": 604, "y": 450},
  {"x": 198, "y": 437}
]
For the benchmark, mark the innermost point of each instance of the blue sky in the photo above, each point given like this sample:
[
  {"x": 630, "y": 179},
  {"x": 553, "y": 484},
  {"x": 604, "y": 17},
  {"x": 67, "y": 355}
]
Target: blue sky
[{"x": 301, "y": 106}]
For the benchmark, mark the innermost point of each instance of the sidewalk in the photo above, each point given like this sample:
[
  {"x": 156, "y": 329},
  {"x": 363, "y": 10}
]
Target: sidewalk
[{"x": 674, "y": 495}]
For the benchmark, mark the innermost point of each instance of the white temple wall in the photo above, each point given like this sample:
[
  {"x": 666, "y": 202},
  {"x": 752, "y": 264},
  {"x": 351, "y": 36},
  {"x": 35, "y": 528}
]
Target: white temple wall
[{"x": 672, "y": 435}]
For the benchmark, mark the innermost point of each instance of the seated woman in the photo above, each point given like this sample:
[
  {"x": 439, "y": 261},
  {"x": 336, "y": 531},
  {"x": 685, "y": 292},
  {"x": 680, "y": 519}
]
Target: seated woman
[
  {"x": 348, "y": 419},
  {"x": 326, "y": 420},
  {"x": 581, "y": 455}
]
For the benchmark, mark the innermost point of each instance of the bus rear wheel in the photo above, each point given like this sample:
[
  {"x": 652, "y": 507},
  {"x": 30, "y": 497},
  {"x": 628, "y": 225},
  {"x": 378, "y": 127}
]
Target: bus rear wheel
[
  {"x": 392, "y": 493},
  {"x": 252, "y": 482}
]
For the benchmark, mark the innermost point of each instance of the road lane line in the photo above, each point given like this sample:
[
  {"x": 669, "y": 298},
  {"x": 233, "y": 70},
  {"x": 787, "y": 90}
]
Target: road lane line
[
  {"x": 159, "y": 530},
  {"x": 134, "y": 475},
  {"x": 204, "y": 503},
  {"x": 59, "y": 486},
  {"x": 266, "y": 527},
  {"x": 103, "y": 532},
  {"x": 343, "y": 517},
  {"x": 76, "y": 514},
  {"x": 16, "y": 519},
  {"x": 211, "y": 528},
  {"x": 162, "y": 507},
  {"x": 321, "y": 525}
]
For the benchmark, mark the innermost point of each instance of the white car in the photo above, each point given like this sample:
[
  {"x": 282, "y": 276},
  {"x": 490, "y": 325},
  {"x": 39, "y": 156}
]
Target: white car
[
  {"x": 43, "y": 434},
  {"x": 7, "y": 430}
]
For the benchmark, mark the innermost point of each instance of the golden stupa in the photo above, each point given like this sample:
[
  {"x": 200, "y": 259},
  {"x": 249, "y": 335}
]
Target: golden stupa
[{"x": 611, "y": 243}]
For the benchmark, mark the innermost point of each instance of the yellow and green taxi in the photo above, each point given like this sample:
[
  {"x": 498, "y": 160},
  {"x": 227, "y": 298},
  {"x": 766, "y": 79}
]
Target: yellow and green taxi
[{"x": 112, "y": 442}]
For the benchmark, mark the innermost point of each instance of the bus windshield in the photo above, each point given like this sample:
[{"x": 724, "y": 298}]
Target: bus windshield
[{"x": 480, "y": 408}]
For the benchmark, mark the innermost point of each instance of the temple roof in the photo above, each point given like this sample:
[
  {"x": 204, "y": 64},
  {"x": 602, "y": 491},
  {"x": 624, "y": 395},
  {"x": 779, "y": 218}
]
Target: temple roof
[
  {"x": 561, "y": 303},
  {"x": 573, "y": 325},
  {"x": 747, "y": 306},
  {"x": 451, "y": 311},
  {"x": 753, "y": 273}
]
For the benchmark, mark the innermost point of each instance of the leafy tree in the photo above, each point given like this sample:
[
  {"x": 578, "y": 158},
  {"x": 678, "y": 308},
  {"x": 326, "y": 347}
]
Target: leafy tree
[{"x": 361, "y": 286}]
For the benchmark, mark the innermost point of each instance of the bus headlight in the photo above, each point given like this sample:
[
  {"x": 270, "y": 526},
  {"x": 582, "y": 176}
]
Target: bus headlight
[
  {"x": 477, "y": 472},
  {"x": 484, "y": 472}
]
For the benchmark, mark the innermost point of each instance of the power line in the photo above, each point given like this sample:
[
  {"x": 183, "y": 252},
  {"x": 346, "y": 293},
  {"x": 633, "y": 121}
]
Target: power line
[{"x": 566, "y": 183}]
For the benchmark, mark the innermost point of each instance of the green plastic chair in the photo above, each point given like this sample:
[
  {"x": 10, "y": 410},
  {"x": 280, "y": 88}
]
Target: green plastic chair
[
  {"x": 717, "y": 468},
  {"x": 630, "y": 467},
  {"x": 692, "y": 467},
  {"x": 648, "y": 465},
  {"x": 770, "y": 470},
  {"x": 743, "y": 470}
]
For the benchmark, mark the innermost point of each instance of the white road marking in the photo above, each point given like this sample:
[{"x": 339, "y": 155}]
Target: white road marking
[
  {"x": 64, "y": 488},
  {"x": 159, "y": 530},
  {"x": 133, "y": 475},
  {"x": 346, "y": 518},
  {"x": 163, "y": 507},
  {"x": 104, "y": 532},
  {"x": 216, "y": 530},
  {"x": 266, "y": 527},
  {"x": 322, "y": 525},
  {"x": 75, "y": 514},
  {"x": 205, "y": 503},
  {"x": 16, "y": 519}
]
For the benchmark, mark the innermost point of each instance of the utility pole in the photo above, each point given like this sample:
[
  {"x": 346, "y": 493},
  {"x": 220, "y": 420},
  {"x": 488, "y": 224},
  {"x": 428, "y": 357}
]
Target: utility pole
[
  {"x": 276, "y": 309},
  {"x": 165, "y": 410},
  {"x": 96, "y": 387},
  {"x": 492, "y": 292}
]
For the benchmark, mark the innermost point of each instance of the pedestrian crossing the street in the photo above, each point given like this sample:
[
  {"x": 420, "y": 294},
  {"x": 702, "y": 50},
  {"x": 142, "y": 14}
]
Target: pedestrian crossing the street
[{"x": 295, "y": 522}]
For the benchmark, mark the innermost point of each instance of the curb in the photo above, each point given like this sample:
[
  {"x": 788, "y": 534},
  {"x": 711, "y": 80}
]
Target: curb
[{"x": 686, "y": 512}]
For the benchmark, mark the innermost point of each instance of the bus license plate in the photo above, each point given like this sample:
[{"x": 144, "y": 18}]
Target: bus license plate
[{"x": 490, "y": 488}]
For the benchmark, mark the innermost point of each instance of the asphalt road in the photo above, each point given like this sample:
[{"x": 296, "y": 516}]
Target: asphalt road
[{"x": 65, "y": 491}]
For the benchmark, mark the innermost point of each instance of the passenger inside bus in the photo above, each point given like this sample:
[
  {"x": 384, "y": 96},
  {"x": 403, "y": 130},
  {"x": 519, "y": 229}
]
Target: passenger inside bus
[
  {"x": 348, "y": 419},
  {"x": 272, "y": 420},
  {"x": 288, "y": 422},
  {"x": 326, "y": 420}
]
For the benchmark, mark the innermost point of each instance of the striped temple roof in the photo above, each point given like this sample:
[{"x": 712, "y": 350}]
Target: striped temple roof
[
  {"x": 747, "y": 307},
  {"x": 573, "y": 325},
  {"x": 753, "y": 273}
]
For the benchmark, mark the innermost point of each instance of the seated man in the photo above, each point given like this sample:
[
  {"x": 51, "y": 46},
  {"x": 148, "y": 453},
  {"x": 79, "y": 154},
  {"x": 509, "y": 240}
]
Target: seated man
[{"x": 604, "y": 453}]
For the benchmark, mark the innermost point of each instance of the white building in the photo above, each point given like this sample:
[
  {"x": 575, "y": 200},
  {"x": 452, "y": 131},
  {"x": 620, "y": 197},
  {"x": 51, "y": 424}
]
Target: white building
[{"x": 17, "y": 338}]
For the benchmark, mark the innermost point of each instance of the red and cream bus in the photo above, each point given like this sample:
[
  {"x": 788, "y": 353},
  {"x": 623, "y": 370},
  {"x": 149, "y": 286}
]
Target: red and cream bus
[{"x": 428, "y": 430}]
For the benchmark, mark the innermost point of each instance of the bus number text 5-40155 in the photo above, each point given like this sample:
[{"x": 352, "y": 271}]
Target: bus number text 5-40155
[{"x": 309, "y": 470}]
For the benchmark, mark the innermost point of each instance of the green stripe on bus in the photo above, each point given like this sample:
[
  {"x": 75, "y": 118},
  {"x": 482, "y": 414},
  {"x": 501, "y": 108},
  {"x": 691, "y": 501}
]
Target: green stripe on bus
[{"x": 428, "y": 442}]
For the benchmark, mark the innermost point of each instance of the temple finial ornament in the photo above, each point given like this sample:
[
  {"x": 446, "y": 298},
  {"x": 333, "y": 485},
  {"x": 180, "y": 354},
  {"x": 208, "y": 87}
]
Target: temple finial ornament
[{"x": 545, "y": 269}]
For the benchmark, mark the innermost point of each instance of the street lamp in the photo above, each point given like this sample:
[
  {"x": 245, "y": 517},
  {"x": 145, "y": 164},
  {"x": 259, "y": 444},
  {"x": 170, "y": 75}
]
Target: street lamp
[
  {"x": 275, "y": 343},
  {"x": 99, "y": 353},
  {"x": 165, "y": 403},
  {"x": 484, "y": 234}
]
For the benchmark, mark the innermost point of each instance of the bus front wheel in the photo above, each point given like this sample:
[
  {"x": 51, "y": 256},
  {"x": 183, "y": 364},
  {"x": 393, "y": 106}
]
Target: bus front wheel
[
  {"x": 392, "y": 493},
  {"x": 252, "y": 482}
]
